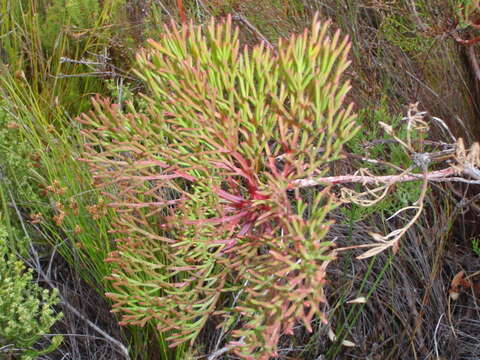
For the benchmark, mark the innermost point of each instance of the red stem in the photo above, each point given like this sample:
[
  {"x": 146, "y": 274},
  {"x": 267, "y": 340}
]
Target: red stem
[{"x": 181, "y": 11}]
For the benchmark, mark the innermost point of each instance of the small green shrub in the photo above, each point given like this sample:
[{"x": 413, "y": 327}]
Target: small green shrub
[
  {"x": 26, "y": 310},
  {"x": 400, "y": 31},
  {"x": 71, "y": 15}
]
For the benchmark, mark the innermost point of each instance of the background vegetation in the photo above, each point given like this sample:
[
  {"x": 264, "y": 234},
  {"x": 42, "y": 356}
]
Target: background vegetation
[{"x": 56, "y": 54}]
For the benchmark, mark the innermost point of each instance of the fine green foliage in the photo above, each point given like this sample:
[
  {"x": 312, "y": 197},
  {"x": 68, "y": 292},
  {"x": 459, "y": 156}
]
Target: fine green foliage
[
  {"x": 26, "y": 310},
  {"x": 204, "y": 182},
  {"x": 401, "y": 32},
  {"x": 77, "y": 15},
  {"x": 170, "y": 272},
  {"x": 275, "y": 18}
]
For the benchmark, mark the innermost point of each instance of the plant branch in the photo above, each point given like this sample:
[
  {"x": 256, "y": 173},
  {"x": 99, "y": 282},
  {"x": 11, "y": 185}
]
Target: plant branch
[
  {"x": 242, "y": 19},
  {"x": 438, "y": 175}
]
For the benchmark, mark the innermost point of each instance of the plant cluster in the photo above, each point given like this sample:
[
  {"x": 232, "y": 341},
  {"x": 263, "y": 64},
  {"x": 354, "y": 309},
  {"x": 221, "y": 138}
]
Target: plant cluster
[
  {"x": 203, "y": 182},
  {"x": 26, "y": 310}
]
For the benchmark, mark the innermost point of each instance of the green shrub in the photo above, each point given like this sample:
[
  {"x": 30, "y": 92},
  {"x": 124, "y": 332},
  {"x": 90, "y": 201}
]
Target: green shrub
[
  {"x": 203, "y": 182},
  {"x": 26, "y": 310},
  {"x": 403, "y": 31},
  {"x": 57, "y": 15}
]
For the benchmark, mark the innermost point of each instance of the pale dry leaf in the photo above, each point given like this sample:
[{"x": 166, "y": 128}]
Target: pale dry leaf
[
  {"x": 377, "y": 237},
  {"x": 372, "y": 252},
  {"x": 331, "y": 335},
  {"x": 388, "y": 129},
  {"x": 348, "y": 343},
  {"x": 359, "y": 300},
  {"x": 454, "y": 295}
]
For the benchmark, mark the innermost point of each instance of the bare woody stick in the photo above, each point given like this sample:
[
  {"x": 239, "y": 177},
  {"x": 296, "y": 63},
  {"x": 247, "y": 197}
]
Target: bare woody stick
[{"x": 439, "y": 175}]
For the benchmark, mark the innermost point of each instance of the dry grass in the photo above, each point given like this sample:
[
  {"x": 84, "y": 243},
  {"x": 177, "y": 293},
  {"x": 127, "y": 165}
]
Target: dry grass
[{"x": 81, "y": 340}]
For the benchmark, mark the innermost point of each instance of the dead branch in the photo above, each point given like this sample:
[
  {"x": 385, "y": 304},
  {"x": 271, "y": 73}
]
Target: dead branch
[
  {"x": 463, "y": 166},
  {"x": 439, "y": 175},
  {"x": 243, "y": 20}
]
